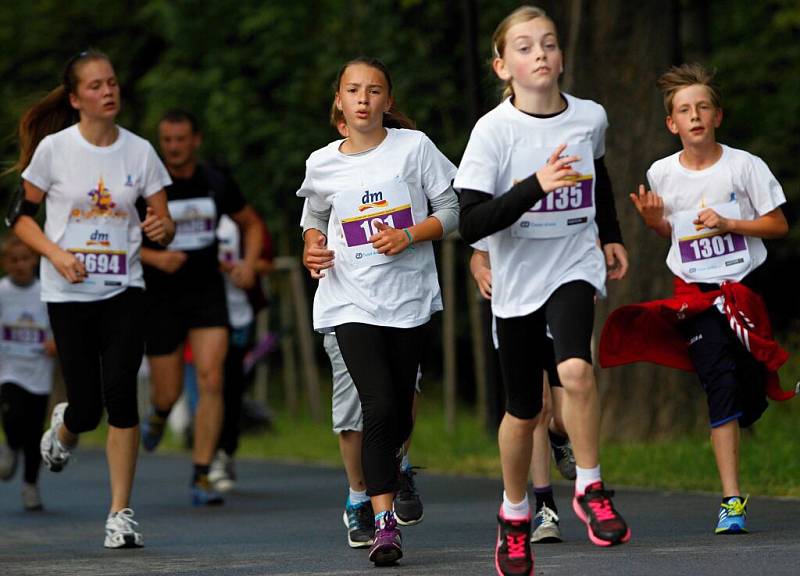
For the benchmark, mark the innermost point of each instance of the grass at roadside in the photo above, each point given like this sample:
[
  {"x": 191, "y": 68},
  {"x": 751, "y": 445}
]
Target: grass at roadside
[{"x": 769, "y": 462}]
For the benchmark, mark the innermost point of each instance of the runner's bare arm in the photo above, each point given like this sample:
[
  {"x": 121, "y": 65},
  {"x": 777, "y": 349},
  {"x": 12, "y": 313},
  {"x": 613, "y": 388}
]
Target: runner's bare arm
[
  {"x": 31, "y": 233},
  {"x": 157, "y": 224}
]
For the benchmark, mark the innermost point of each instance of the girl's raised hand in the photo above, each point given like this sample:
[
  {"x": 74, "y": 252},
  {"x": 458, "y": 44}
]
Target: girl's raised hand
[
  {"x": 316, "y": 256},
  {"x": 558, "y": 172},
  {"x": 388, "y": 240}
]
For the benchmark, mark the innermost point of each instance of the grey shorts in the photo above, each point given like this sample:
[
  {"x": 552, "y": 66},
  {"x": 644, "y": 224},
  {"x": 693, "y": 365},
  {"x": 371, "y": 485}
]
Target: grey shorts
[{"x": 346, "y": 407}]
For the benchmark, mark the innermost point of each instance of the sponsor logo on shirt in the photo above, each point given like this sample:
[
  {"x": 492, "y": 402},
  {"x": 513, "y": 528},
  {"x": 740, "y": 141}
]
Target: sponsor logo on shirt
[{"x": 372, "y": 200}]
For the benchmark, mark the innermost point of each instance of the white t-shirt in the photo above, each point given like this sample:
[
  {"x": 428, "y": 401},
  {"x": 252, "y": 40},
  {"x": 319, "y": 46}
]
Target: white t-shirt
[
  {"x": 393, "y": 183},
  {"x": 739, "y": 185},
  {"x": 90, "y": 199},
  {"x": 531, "y": 259},
  {"x": 229, "y": 241},
  {"x": 25, "y": 328}
]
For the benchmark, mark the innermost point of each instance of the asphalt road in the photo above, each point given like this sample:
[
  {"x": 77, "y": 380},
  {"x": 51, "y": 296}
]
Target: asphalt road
[{"x": 287, "y": 519}]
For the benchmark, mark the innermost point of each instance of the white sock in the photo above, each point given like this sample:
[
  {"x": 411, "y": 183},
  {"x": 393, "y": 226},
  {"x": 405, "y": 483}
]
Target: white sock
[
  {"x": 585, "y": 477},
  {"x": 518, "y": 511},
  {"x": 358, "y": 497},
  {"x": 406, "y": 463}
]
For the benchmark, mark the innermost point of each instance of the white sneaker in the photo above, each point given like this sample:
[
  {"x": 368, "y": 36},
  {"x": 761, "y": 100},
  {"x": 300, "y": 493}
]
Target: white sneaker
[
  {"x": 31, "y": 500},
  {"x": 54, "y": 454},
  {"x": 120, "y": 531},
  {"x": 8, "y": 462},
  {"x": 221, "y": 474},
  {"x": 545, "y": 526}
]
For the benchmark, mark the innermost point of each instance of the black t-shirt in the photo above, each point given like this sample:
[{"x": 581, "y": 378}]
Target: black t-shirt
[{"x": 228, "y": 199}]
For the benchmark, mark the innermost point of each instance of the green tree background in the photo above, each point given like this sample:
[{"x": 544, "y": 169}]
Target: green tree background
[{"x": 259, "y": 76}]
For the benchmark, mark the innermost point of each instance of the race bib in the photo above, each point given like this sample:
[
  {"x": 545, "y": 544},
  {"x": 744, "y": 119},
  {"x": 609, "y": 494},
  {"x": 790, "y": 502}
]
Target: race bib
[
  {"x": 706, "y": 254},
  {"x": 563, "y": 211},
  {"x": 195, "y": 223},
  {"x": 102, "y": 245},
  {"x": 359, "y": 212},
  {"x": 23, "y": 339}
]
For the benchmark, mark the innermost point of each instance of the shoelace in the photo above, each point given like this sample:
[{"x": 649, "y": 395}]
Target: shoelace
[
  {"x": 125, "y": 519},
  {"x": 564, "y": 453},
  {"x": 600, "y": 503},
  {"x": 516, "y": 545},
  {"x": 735, "y": 507},
  {"x": 548, "y": 515},
  {"x": 407, "y": 485}
]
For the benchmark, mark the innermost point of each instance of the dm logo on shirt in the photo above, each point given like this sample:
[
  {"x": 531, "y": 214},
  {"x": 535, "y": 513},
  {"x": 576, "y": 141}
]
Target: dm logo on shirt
[{"x": 372, "y": 200}]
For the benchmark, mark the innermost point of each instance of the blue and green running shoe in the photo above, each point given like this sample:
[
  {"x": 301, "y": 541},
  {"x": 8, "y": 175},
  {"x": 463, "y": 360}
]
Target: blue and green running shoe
[{"x": 732, "y": 516}]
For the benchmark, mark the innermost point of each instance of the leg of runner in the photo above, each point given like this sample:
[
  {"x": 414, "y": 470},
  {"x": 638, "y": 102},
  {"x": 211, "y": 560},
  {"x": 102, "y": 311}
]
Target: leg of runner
[
  {"x": 122, "y": 445},
  {"x": 166, "y": 384},
  {"x": 545, "y": 521},
  {"x": 733, "y": 511},
  {"x": 209, "y": 346},
  {"x": 557, "y": 433},
  {"x": 407, "y": 502}
]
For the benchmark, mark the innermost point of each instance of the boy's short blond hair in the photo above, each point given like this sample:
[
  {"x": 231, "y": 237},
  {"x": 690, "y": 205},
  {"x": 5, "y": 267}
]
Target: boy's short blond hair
[{"x": 679, "y": 77}]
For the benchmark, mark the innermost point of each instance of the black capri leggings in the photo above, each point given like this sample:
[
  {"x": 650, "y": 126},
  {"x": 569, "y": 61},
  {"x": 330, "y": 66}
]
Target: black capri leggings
[
  {"x": 525, "y": 350},
  {"x": 100, "y": 346},
  {"x": 383, "y": 363}
]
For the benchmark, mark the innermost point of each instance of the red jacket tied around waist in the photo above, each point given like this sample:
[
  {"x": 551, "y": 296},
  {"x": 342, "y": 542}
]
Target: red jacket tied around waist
[{"x": 647, "y": 332}]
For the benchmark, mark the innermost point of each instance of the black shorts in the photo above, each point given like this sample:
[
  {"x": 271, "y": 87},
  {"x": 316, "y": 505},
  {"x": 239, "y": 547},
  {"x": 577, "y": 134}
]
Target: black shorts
[
  {"x": 732, "y": 379},
  {"x": 525, "y": 350},
  {"x": 171, "y": 310}
]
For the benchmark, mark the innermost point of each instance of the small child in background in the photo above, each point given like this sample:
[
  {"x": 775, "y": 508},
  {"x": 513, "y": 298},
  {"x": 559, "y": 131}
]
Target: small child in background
[{"x": 26, "y": 366}]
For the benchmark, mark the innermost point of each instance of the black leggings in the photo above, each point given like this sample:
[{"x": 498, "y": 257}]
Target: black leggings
[
  {"x": 23, "y": 416},
  {"x": 382, "y": 362},
  {"x": 525, "y": 350},
  {"x": 100, "y": 346}
]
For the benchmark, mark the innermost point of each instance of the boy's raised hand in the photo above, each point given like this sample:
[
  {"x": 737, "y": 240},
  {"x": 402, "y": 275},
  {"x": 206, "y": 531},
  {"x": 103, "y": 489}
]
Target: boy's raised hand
[{"x": 650, "y": 206}]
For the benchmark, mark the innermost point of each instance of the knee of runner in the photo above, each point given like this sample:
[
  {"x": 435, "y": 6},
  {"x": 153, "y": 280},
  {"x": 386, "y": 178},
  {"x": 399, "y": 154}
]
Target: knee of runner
[
  {"x": 79, "y": 420},
  {"x": 523, "y": 416},
  {"x": 576, "y": 375},
  {"x": 123, "y": 418}
]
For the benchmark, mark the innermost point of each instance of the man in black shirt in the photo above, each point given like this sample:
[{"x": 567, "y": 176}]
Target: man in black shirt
[{"x": 186, "y": 294}]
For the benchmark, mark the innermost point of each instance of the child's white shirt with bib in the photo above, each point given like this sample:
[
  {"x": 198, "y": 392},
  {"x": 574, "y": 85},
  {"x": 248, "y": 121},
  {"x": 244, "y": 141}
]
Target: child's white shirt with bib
[
  {"x": 556, "y": 241},
  {"x": 739, "y": 186},
  {"x": 391, "y": 183},
  {"x": 91, "y": 194}
]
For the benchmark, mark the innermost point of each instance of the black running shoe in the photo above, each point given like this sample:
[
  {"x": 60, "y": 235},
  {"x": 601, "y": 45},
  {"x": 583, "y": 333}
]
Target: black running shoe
[
  {"x": 407, "y": 503},
  {"x": 605, "y": 525},
  {"x": 563, "y": 455},
  {"x": 360, "y": 523},
  {"x": 513, "y": 555}
]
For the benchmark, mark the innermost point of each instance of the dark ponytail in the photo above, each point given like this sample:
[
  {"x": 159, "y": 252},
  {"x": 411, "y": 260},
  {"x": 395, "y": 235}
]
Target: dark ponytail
[
  {"x": 53, "y": 112},
  {"x": 393, "y": 118}
]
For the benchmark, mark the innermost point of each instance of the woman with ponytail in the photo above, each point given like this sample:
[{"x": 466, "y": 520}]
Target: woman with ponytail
[
  {"x": 367, "y": 207},
  {"x": 89, "y": 172}
]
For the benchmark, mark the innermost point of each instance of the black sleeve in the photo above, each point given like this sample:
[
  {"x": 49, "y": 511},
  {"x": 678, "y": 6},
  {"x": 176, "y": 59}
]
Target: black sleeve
[
  {"x": 606, "y": 213},
  {"x": 482, "y": 214}
]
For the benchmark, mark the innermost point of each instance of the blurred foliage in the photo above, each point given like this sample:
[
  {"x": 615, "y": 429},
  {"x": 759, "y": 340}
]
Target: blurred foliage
[{"x": 259, "y": 75}]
